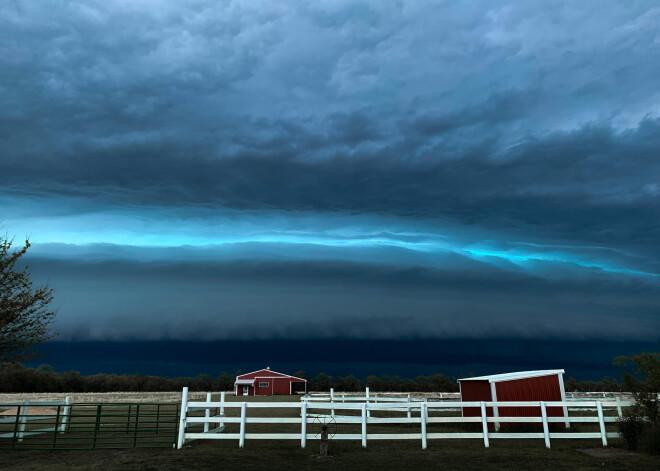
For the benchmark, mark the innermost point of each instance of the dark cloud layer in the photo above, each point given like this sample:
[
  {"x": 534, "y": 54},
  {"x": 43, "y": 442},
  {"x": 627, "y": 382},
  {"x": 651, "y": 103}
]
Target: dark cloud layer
[
  {"x": 482, "y": 168},
  {"x": 575, "y": 181},
  {"x": 249, "y": 300},
  {"x": 584, "y": 360}
]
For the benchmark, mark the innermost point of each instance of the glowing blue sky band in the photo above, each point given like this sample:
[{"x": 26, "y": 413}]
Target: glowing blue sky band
[{"x": 425, "y": 245}]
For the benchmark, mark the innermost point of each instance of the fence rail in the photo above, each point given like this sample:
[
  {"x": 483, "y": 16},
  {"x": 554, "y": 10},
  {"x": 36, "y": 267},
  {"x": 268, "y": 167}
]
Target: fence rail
[
  {"x": 368, "y": 396},
  {"x": 356, "y": 417}
]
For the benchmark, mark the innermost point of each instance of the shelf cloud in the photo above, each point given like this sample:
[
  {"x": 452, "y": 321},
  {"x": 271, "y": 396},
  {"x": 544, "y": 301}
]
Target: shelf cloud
[{"x": 213, "y": 170}]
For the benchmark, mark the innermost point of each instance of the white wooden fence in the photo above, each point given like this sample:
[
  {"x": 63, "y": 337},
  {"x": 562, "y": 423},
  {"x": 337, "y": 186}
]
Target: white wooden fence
[
  {"x": 574, "y": 398},
  {"x": 328, "y": 410},
  {"x": 22, "y": 417},
  {"x": 208, "y": 419},
  {"x": 401, "y": 397}
]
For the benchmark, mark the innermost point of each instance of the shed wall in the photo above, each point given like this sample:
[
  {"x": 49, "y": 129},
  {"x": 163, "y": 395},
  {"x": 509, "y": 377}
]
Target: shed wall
[
  {"x": 475, "y": 391},
  {"x": 540, "y": 388}
]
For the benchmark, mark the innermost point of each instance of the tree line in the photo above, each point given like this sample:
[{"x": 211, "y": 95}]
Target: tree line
[{"x": 15, "y": 378}]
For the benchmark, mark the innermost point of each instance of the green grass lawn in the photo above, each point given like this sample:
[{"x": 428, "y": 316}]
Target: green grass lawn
[{"x": 281, "y": 455}]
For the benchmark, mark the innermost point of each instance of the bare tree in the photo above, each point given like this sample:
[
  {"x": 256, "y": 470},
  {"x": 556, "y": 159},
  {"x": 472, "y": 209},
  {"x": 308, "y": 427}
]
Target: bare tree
[{"x": 25, "y": 316}]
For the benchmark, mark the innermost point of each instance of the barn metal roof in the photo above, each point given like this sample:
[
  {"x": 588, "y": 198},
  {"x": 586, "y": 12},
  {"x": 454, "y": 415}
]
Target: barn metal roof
[
  {"x": 516, "y": 375},
  {"x": 244, "y": 381},
  {"x": 267, "y": 371}
]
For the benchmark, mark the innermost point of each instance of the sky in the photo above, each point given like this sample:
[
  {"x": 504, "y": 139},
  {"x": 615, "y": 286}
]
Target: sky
[{"x": 386, "y": 171}]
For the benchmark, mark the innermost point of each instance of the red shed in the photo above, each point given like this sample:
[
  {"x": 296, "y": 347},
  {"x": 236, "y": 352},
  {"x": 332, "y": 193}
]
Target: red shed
[
  {"x": 543, "y": 385},
  {"x": 267, "y": 382}
]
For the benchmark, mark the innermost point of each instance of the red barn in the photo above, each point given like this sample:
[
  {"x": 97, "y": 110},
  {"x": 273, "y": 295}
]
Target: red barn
[
  {"x": 267, "y": 382},
  {"x": 543, "y": 385}
]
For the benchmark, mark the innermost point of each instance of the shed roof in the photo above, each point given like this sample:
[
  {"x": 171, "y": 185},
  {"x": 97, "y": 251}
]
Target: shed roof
[{"x": 515, "y": 375}]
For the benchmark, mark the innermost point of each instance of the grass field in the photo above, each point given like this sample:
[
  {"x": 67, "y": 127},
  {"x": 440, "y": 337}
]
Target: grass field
[{"x": 287, "y": 454}]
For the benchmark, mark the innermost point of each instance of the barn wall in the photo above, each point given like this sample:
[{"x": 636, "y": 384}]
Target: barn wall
[
  {"x": 275, "y": 386},
  {"x": 239, "y": 390},
  {"x": 262, "y": 391},
  {"x": 282, "y": 386}
]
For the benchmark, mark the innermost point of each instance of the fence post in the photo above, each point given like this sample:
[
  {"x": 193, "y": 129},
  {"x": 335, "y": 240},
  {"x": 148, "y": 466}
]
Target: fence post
[
  {"x": 182, "y": 419},
  {"x": 207, "y": 414},
  {"x": 601, "y": 421},
  {"x": 618, "y": 406},
  {"x": 364, "y": 424},
  {"x": 241, "y": 440},
  {"x": 65, "y": 414},
  {"x": 176, "y": 429},
  {"x": 332, "y": 399},
  {"x": 409, "y": 414},
  {"x": 303, "y": 425},
  {"x": 546, "y": 430},
  {"x": 426, "y": 410},
  {"x": 222, "y": 408},
  {"x": 484, "y": 424},
  {"x": 24, "y": 414},
  {"x": 423, "y": 421},
  {"x": 366, "y": 391}
]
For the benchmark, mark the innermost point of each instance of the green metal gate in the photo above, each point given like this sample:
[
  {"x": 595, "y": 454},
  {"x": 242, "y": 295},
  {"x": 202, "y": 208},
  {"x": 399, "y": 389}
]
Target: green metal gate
[{"x": 89, "y": 426}]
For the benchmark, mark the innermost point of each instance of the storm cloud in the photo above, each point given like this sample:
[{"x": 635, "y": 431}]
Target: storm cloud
[{"x": 212, "y": 170}]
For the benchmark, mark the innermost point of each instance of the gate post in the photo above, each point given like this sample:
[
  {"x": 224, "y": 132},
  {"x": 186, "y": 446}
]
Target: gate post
[
  {"x": 97, "y": 425},
  {"x": 182, "y": 419},
  {"x": 65, "y": 414}
]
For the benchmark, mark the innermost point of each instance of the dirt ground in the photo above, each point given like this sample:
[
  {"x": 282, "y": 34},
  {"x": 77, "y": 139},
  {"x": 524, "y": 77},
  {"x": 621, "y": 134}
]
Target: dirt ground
[{"x": 33, "y": 410}]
